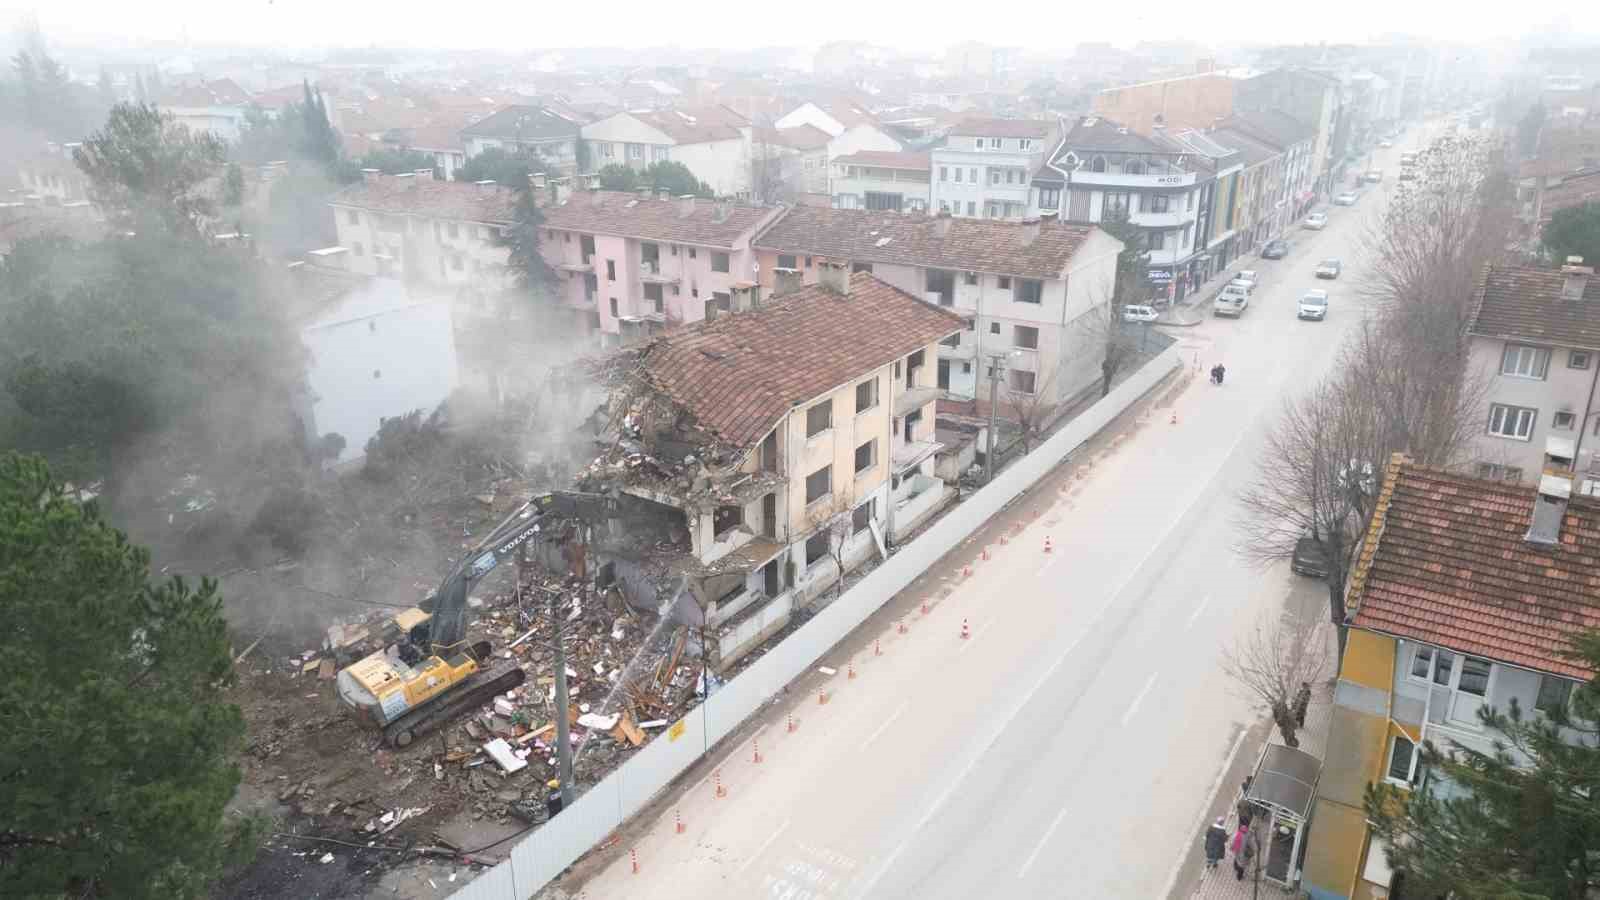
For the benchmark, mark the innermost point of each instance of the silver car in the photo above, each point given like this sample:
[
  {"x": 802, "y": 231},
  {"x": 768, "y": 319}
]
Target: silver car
[{"x": 1314, "y": 305}]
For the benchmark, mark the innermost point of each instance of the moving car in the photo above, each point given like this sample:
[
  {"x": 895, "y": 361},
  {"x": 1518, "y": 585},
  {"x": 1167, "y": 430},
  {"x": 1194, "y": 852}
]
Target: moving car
[
  {"x": 1328, "y": 268},
  {"x": 1348, "y": 198},
  {"x": 1314, "y": 305},
  {"x": 1231, "y": 300},
  {"x": 1317, "y": 221},
  {"x": 1372, "y": 177},
  {"x": 1135, "y": 313},
  {"x": 1275, "y": 250}
]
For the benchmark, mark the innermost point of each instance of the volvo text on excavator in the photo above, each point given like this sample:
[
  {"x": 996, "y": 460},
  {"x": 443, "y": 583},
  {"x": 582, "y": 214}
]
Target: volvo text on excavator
[{"x": 433, "y": 675}]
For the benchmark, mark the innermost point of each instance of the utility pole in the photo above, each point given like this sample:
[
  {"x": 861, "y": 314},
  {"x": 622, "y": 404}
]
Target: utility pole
[
  {"x": 997, "y": 363},
  {"x": 563, "y": 703}
]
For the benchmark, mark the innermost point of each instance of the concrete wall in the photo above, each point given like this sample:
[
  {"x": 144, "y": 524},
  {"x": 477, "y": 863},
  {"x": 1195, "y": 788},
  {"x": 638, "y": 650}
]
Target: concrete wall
[{"x": 1195, "y": 101}]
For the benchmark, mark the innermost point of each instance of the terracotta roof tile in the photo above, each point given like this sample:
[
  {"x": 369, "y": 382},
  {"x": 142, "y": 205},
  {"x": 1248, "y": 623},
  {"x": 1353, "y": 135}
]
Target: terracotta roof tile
[
  {"x": 1005, "y": 128},
  {"x": 649, "y": 218},
  {"x": 1525, "y": 303},
  {"x": 435, "y": 199},
  {"x": 695, "y": 124},
  {"x": 738, "y": 374},
  {"x": 974, "y": 245},
  {"x": 1450, "y": 566}
]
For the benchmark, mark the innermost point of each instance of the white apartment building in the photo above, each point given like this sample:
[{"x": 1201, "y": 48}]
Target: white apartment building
[
  {"x": 986, "y": 167},
  {"x": 712, "y": 141},
  {"x": 411, "y": 226},
  {"x": 850, "y": 128},
  {"x": 882, "y": 180}
]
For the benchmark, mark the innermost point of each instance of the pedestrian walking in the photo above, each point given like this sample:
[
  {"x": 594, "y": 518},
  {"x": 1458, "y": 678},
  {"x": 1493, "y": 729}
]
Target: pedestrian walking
[
  {"x": 1245, "y": 852},
  {"x": 1246, "y": 811},
  {"x": 1216, "y": 843}
]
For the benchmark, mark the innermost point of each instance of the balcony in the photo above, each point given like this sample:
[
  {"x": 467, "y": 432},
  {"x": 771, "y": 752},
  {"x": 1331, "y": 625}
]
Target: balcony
[
  {"x": 915, "y": 398},
  {"x": 1173, "y": 219},
  {"x": 585, "y": 266},
  {"x": 1146, "y": 180},
  {"x": 650, "y": 273}
]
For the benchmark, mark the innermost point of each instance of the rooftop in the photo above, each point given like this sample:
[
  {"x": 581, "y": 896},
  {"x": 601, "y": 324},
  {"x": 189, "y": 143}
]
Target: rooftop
[
  {"x": 526, "y": 123},
  {"x": 974, "y": 245},
  {"x": 1445, "y": 562},
  {"x": 887, "y": 159},
  {"x": 800, "y": 137},
  {"x": 695, "y": 124},
  {"x": 1099, "y": 133},
  {"x": 1575, "y": 190},
  {"x": 1251, "y": 151},
  {"x": 738, "y": 374},
  {"x": 1272, "y": 127},
  {"x": 221, "y": 92},
  {"x": 1525, "y": 303},
  {"x": 699, "y": 221},
  {"x": 1004, "y": 128},
  {"x": 423, "y": 196}
]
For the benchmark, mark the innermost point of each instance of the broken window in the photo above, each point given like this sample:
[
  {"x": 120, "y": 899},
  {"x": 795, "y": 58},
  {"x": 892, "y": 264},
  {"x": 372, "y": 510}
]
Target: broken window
[
  {"x": 1021, "y": 382},
  {"x": 866, "y": 395},
  {"x": 1025, "y": 336},
  {"x": 726, "y": 518},
  {"x": 866, "y": 456},
  {"x": 819, "y": 484},
  {"x": 861, "y": 517},
  {"x": 816, "y": 547},
  {"x": 719, "y": 262},
  {"x": 819, "y": 418}
]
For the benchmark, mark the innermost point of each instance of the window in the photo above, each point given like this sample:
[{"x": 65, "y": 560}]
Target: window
[
  {"x": 1577, "y": 359},
  {"x": 613, "y": 307},
  {"x": 819, "y": 484},
  {"x": 861, "y": 267},
  {"x": 1159, "y": 203},
  {"x": 1523, "y": 361},
  {"x": 808, "y": 262},
  {"x": 1021, "y": 382},
  {"x": 819, "y": 418},
  {"x": 353, "y": 217},
  {"x": 1511, "y": 421},
  {"x": 453, "y": 230},
  {"x": 652, "y": 292},
  {"x": 866, "y": 456},
  {"x": 1402, "y": 754},
  {"x": 1024, "y": 144},
  {"x": 726, "y": 518},
  {"x": 994, "y": 176},
  {"x": 719, "y": 262},
  {"x": 1499, "y": 472},
  {"x": 455, "y": 261},
  {"x": 786, "y": 261},
  {"x": 866, "y": 395},
  {"x": 1030, "y": 290},
  {"x": 994, "y": 143},
  {"x": 861, "y": 518},
  {"x": 1189, "y": 200},
  {"x": 972, "y": 208},
  {"x": 972, "y": 174},
  {"x": 1025, "y": 336},
  {"x": 1049, "y": 198},
  {"x": 953, "y": 340},
  {"x": 1563, "y": 421},
  {"x": 1474, "y": 676},
  {"x": 994, "y": 327},
  {"x": 1003, "y": 282},
  {"x": 692, "y": 253},
  {"x": 966, "y": 368},
  {"x": 1116, "y": 203},
  {"x": 1097, "y": 164},
  {"x": 816, "y": 546},
  {"x": 958, "y": 174},
  {"x": 1553, "y": 693},
  {"x": 611, "y": 270},
  {"x": 1442, "y": 666},
  {"x": 977, "y": 144},
  {"x": 970, "y": 277},
  {"x": 1421, "y": 662},
  {"x": 944, "y": 173}
]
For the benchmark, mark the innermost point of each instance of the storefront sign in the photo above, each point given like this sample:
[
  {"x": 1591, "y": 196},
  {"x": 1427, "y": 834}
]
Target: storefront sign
[{"x": 1159, "y": 276}]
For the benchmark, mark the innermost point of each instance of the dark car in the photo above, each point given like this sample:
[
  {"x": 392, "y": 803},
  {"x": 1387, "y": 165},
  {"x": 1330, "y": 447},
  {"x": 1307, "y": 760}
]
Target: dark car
[
  {"x": 1275, "y": 250},
  {"x": 1310, "y": 558}
]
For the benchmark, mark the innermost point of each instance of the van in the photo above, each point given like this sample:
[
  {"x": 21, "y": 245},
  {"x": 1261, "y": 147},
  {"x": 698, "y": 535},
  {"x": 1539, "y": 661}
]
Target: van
[{"x": 1231, "y": 300}]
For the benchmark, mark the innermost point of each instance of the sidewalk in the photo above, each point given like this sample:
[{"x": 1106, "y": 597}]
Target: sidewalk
[{"x": 1186, "y": 312}]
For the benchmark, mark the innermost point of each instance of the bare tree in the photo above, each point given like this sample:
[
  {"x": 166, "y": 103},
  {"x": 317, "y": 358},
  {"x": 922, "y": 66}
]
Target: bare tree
[
  {"x": 1102, "y": 330},
  {"x": 834, "y": 519},
  {"x": 1276, "y": 665},
  {"x": 767, "y": 183},
  {"x": 1031, "y": 410}
]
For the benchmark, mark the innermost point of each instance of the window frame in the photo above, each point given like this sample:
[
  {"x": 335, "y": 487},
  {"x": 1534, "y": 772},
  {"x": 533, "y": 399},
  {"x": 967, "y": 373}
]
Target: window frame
[
  {"x": 1033, "y": 382},
  {"x": 811, "y": 429},
  {"x": 1002, "y": 282},
  {"x": 720, "y": 262},
  {"x": 1018, "y": 332},
  {"x": 827, "y": 472},
  {"x": 794, "y": 262},
  {"x": 827, "y": 548},
  {"x": 1027, "y": 286},
  {"x": 1556, "y": 418},
  {"x": 1573, "y": 356},
  {"x": 861, "y": 517},
  {"x": 1411, "y": 762},
  {"x": 872, "y": 385},
  {"x": 1537, "y": 361},
  {"x": 1505, "y": 412},
  {"x": 970, "y": 278},
  {"x": 871, "y": 446},
  {"x": 1539, "y": 702}
]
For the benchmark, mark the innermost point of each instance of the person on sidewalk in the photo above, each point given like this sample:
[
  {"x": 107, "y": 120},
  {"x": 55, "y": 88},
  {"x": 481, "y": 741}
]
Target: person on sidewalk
[
  {"x": 1244, "y": 852},
  {"x": 1216, "y": 843}
]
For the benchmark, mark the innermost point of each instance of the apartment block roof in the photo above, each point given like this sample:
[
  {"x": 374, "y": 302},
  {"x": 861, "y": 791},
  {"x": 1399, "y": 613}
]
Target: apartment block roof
[
  {"x": 1004, "y": 128},
  {"x": 708, "y": 223},
  {"x": 1445, "y": 562},
  {"x": 1099, "y": 133},
  {"x": 887, "y": 159},
  {"x": 1525, "y": 303},
  {"x": 738, "y": 374},
  {"x": 973, "y": 245},
  {"x": 1272, "y": 127},
  {"x": 524, "y": 123},
  {"x": 800, "y": 137},
  {"x": 1252, "y": 151},
  {"x": 423, "y": 196},
  {"x": 695, "y": 124}
]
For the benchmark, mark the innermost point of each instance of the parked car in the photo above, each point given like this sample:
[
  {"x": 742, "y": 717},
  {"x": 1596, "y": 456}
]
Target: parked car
[
  {"x": 1135, "y": 313},
  {"x": 1386, "y": 144},
  {"x": 1373, "y": 176},
  {"x": 1348, "y": 198},
  {"x": 1275, "y": 250},
  {"x": 1248, "y": 276},
  {"x": 1314, "y": 305},
  {"x": 1310, "y": 558},
  {"x": 1317, "y": 221},
  {"x": 1329, "y": 268},
  {"x": 1231, "y": 300}
]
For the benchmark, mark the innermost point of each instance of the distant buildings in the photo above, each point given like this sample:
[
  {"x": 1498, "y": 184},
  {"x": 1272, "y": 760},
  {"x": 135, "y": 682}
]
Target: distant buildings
[
  {"x": 535, "y": 128},
  {"x": 986, "y": 167},
  {"x": 442, "y": 233},
  {"x": 882, "y": 180},
  {"x": 711, "y": 141}
]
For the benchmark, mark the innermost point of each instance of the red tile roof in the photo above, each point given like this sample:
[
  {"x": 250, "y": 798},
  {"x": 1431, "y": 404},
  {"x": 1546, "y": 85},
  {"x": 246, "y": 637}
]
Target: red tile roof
[
  {"x": 738, "y": 374},
  {"x": 695, "y": 124},
  {"x": 800, "y": 137},
  {"x": 652, "y": 219},
  {"x": 973, "y": 245},
  {"x": 887, "y": 159},
  {"x": 1525, "y": 303},
  {"x": 1446, "y": 563},
  {"x": 452, "y": 200}
]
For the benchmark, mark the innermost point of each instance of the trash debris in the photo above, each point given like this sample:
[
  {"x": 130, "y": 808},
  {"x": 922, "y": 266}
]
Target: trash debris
[
  {"x": 598, "y": 722},
  {"x": 501, "y": 753},
  {"x": 326, "y": 858}
]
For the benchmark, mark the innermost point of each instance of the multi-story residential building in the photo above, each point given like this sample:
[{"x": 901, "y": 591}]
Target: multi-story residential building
[
  {"x": 1534, "y": 339},
  {"x": 808, "y": 462},
  {"x": 1035, "y": 294},
  {"x": 633, "y": 264},
  {"x": 444, "y": 144},
  {"x": 850, "y": 127},
  {"x": 712, "y": 141},
  {"x": 1312, "y": 98},
  {"x": 986, "y": 167},
  {"x": 1258, "y": 203},
  {"x": 1216, "y": 227},
  {"x": 1192, "y": 101},
  {"x": 552, "y": 135},
  {"x": 1294, "y": 141},
  {"x": 218, "y": 107},
  {"x": 1430, "y": 643},
  {"x": 789, "y": 165},
  {"x": 881, "y": 180},
  {"x": 412, "y": 226}
]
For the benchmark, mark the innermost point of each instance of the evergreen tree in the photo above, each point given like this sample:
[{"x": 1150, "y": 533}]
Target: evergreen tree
[
  {"x": 1573, "y": 232},
  {"x": 146, "y": 170}
]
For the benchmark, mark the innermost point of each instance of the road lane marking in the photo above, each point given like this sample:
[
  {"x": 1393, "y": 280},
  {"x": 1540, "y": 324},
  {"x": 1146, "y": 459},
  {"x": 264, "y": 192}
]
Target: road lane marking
[
  {"x": 1140, "y": 699},
  {"x": 881, "y": 728},
  {"x": 1197, "y": 611},
  {"x": 1048, "y": 833},
  {"x": 764, "y": 845}
]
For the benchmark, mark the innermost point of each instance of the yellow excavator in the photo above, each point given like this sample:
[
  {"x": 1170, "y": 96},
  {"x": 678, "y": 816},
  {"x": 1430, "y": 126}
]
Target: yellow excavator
[{"x": 432, "y": 675}]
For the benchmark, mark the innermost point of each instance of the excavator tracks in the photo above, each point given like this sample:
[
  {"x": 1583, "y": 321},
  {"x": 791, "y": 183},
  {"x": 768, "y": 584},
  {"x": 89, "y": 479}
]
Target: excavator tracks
[{"x": 476, "y": 691}]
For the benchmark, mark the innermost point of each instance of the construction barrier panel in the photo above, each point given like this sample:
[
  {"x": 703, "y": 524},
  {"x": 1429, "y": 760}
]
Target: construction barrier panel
[{"x": 537, "y": 859}]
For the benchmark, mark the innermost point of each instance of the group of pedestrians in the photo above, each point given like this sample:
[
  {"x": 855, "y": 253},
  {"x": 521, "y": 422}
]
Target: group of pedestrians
[{"x": 1242, "y": 844}]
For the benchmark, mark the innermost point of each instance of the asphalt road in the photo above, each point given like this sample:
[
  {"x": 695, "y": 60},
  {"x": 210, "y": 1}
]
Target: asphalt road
[{"x": 1068, "y": 747}]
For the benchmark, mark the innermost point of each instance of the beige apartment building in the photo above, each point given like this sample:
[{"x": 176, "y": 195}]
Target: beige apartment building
[{"x": 411, "y": 226}]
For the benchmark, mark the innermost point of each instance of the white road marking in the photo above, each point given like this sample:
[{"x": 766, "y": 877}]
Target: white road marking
[
  {"x": 764, "y": 845},
  {"x": 1046, "y": 566},
  {"x": 1048, "y": 832},
  {"x": 1197, "y": 611},
  {"x": 1200, "y": 821},
  {"x": 1139, "y": 699},
  {"x": 881, "y": 728}
]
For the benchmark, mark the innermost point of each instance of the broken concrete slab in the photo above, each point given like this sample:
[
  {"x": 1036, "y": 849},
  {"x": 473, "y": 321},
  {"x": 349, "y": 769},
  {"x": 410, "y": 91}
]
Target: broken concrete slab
[{"x": 502, "y": 754}]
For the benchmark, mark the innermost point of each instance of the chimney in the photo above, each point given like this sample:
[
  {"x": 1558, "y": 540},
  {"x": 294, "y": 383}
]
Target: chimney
[
  {"x": 591, "y": 181},
  {"x": 1555, "y": 489},
  {"x": 1030, "y": 231},
  {"x": 685, "y": 205},
  {"x": 371, "y": 176},
  {"x": 1577, "y": 279},
  {"x": 746, "y": 296},
  {"x": 643, "y": 191},
  {"x": 423, "y": 174},
  {"x": 834, "y": 277},
  {"x": 562, "y": 188},
  {"x": 786, "y": 281},
  {"x": 539, "y": 179},
  {"x": 721, "y": 211},
  {"x": 485, "y": 186},
  {"x": 941, "y": 225}
]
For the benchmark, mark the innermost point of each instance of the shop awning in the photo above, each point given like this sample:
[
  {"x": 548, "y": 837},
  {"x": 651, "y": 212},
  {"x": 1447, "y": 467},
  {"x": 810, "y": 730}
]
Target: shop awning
[{"x": 1286, "y": 781}]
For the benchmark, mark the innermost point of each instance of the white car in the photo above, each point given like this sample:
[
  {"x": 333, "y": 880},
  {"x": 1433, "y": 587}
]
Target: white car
[
  {"x": 1314, "y": 305},
  {"x": 1348, "y": 198},
  {"x": 1231, "y": 300},
  {"x": 1135, "y": 313},
  {"x": 1317, "y": 221},
  {"x": 1248, "y": 277}
]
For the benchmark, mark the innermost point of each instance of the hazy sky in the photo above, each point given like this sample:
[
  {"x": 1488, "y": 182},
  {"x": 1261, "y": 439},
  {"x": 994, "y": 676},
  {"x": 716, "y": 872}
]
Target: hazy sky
[{"x": 924, "y": 27}]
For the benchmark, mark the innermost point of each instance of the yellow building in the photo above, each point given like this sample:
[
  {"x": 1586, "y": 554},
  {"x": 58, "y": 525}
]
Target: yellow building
[{"x": 1463, "y": 595}]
